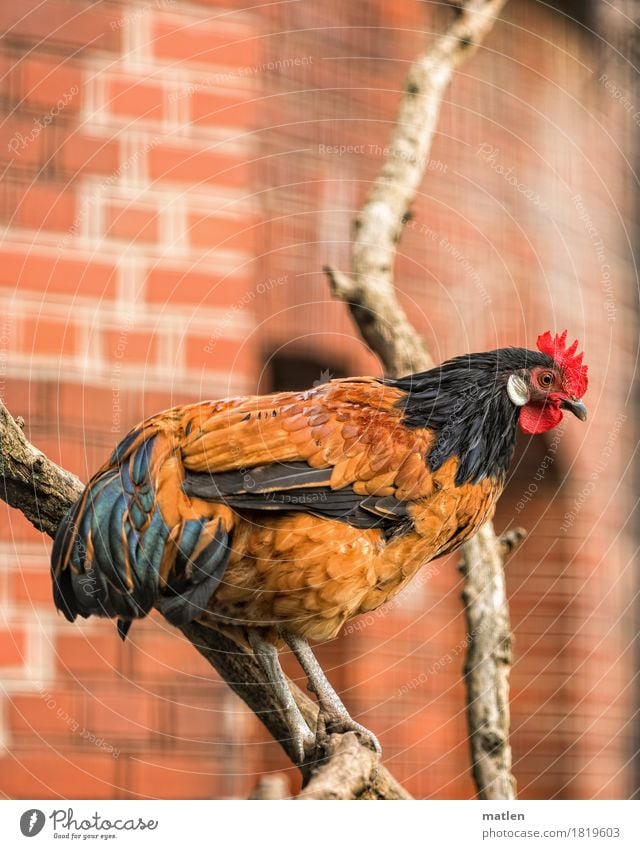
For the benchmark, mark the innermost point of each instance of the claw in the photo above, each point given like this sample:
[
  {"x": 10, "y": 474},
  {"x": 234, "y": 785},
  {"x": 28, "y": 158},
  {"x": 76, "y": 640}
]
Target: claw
[
  {"x": 304, "y": 745},
  {"x": 309, "y": 746},
  {"x": 343, "y": 724}
]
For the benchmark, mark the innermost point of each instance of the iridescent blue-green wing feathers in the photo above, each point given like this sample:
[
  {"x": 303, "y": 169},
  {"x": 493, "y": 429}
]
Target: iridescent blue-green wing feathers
[{"x": 133, "y": 541}]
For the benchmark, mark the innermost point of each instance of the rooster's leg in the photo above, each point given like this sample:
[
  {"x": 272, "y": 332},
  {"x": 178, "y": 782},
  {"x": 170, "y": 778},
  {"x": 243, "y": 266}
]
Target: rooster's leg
[
  {"x": 332, "y": 712},
  {"x": 267, "y": 654}
]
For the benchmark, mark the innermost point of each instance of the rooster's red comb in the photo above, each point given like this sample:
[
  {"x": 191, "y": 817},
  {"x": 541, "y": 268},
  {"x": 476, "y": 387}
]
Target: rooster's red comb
[{"x": 575, "y": 374}]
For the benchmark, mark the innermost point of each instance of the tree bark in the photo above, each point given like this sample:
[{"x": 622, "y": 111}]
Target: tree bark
[
  {"x": 487, "y": 665},
  {"x": 31, "y": 482}
]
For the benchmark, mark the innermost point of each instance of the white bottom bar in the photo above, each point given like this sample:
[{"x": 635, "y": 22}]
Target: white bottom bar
[{"x": 316, "y": 825}]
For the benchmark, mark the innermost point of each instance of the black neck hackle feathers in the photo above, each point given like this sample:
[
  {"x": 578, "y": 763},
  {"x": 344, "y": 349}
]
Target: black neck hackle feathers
[{"x": 465, "y": 401}]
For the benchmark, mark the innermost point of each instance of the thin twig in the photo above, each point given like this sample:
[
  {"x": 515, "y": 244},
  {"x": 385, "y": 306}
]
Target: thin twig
[
  {"x": 510, "y": 540},
  {"x": 487, "y": 665}
]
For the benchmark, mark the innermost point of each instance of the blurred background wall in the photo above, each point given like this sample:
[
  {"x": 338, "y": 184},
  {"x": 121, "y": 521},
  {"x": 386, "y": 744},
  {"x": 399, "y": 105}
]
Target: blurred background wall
[{"x": 174, "y": 176}]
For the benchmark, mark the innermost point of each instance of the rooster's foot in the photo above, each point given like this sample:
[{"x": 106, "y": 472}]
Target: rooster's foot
[
  {"x": 303, "y": 740},
  {"x": 343, "y": 723},
  {"x": 333, "y": 716}
]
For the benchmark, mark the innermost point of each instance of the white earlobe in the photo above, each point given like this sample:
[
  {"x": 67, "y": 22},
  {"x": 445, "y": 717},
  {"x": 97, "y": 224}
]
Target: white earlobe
[{"x": 517, "y": 390}]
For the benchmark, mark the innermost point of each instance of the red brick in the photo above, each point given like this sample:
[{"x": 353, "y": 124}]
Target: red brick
[
  {"x": 11, "y": 189},
  {"x": 54, "y": 275},
  {"x": 22, "y": 143},
  {"x": 202, "y": 353},
  {"x": 91, "y": 406},
  {"x": 30, "y": 585},
  {"x": 7, "y": 65},
  {"x": 13, "y": 644},
  {"x": 218, "y": 3},
  {"x": 132, "y": 223},
  {"x": 51, "y": 774},
  {"x": 197, "y": 714},
  {"x": 46, "y": 206},
  {"x": 216, "y": 231},
  {"x": 46, "y": 336},
  {"x": 51, "y": 82},
  {"x": 195, "y": 167},
  {"x": 204, "y": 44},
  {"x": 153, "y": 401},
  {"x": 166, "y": 286},
  {"x": 47, "y": 712},
  {"x": 160, "y": 653},
  {"x": 15, "y": 527},
  {"x": 129, "y": 346},
  {"x": 62, "y": 22},
  {"x": 136, "y": 99},
  {"x": 98, "y": 656},
  {"x": 122, "y": 713},
  {"x": 188, "y": 777},
  {"x": 79, "y": 153},
  {"x": 211, "y": 108}
]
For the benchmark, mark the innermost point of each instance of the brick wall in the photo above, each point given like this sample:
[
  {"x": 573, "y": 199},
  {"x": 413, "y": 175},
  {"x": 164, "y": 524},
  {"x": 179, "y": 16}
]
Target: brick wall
[
  {"x": 171, "y": 189},
  {"x": 129, "y": 242}
]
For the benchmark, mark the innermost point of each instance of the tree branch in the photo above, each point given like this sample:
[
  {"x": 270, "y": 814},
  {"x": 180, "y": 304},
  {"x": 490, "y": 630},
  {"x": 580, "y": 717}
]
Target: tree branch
[
  {"x": 371, "y": 297},
  {"x": 32, "y": 483},
  {"x": 347, "y": 774},
  {"x": 369, "y": 292},
  {"x": 487, "y": 666}
]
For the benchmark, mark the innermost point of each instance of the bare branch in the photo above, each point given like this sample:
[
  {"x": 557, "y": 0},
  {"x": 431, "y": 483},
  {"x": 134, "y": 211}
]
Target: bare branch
[
  {"x": 382, "y": 323},
  {"x": 371, "y": 297},
  {"x": 270, "y": 787},
  {"x": 378, "y": 226},
  {"x": 348, "y": 773},
  {"x": 32, "y": 483},
  {"x": 487, "y": 665}
]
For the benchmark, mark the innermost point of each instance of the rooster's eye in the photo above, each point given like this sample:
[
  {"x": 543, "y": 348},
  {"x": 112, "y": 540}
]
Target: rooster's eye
[{"x": 545, "y": 379}]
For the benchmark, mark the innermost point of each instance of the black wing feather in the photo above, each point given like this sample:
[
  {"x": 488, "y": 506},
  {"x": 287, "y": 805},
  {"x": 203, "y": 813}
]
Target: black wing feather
[{"x": 297, "y": 487}]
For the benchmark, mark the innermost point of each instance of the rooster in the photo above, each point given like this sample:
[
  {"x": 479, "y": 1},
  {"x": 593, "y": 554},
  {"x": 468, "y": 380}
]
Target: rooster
[{"x": 277, "y": 518}]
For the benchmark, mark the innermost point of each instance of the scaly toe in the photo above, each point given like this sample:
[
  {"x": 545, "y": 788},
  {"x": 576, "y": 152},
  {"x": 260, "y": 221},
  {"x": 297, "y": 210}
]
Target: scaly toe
[
  {"x": 304, "y": 746},
  {"x": 341, "y": 725}
]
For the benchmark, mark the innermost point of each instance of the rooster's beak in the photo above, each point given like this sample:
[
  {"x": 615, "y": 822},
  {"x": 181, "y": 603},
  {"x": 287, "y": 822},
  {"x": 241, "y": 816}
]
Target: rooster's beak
[{"x": 576, "y": 407}]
